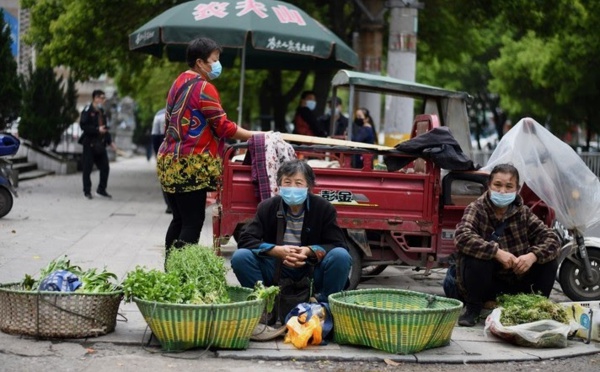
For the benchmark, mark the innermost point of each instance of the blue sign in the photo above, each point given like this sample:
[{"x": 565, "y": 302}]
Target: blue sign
[{"x": 13, "y": 23}]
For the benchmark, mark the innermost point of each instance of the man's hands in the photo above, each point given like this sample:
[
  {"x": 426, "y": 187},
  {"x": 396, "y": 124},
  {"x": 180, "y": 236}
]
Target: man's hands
[
  {"x": 102, "y": 129},
  {"x": 519, "y": 265},
  {"x": 292, "y": 256}
]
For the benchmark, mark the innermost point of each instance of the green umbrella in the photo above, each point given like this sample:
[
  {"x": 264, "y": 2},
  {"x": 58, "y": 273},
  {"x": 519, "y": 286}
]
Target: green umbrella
[{"x": 268, "y": 33}]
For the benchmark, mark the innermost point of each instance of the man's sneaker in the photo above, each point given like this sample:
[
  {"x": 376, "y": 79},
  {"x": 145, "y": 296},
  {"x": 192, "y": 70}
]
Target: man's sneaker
[
  {"x": 470, "y": 317},
  {"x": 89, "y": 196},
  {"x": 104, "y": 193}
]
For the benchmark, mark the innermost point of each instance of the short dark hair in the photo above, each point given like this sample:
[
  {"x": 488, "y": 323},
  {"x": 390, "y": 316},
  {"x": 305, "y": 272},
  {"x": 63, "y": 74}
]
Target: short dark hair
[
  {"x": 336, "y": 101},
  {"x": 200, "y": 48},
  {"x": 97, "y": 92},
  {"x": 291, "y": 167},
  {"x": 504, "y": 168},
  {"x": 306, "y": 93}
]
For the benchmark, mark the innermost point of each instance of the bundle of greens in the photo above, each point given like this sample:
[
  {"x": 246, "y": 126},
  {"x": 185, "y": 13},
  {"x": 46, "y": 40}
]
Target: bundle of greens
[
  {"x": 158, "y": 286},
  {"x": 92, "y": 280},
  {"x": 201, "y": 267},
  {"x": 527, "y": 308},
  {"x": 195, "y": 275},
  {"x": 267, "y": 293}
]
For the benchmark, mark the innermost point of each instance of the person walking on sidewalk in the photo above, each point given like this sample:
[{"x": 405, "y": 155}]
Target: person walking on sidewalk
[
  {"x": 188, "y": 160},
  {"x": 94, "y": 139},
  {"x": 503, "y": 247}
]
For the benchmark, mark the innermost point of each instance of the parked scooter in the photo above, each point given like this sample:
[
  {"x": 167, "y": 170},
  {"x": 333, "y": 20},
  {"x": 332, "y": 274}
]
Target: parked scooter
[
  {"x": 9, "y": 145},
  {"x": 579, "y": 270}
]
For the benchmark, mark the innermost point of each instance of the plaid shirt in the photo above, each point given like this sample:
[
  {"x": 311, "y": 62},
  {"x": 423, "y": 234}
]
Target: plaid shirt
[{"x": 524, "y": 233}]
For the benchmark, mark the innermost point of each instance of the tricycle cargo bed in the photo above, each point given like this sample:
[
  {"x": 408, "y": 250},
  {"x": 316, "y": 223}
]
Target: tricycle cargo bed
[{"x": 368, "y": 198}]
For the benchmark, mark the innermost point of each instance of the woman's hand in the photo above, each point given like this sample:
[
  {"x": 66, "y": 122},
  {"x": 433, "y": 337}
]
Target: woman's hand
[
  {"x": 523, "y": 263},
  {"x": 506, "y": 259}
]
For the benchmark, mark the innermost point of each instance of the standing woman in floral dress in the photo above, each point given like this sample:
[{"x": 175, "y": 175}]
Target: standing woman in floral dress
[{"x": 188, "y": 160}]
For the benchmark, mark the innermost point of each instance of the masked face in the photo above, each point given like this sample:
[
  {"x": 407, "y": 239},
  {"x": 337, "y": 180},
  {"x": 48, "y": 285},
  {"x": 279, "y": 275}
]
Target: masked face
[
  {"x": 311, "y": 104},
  {"x": 360, "y": 122},
  {"x": 215, "y": 70},
  {"x": 503, "y": 189},
  {"x": 502, "y": 200},
  {"x": 293, "y": 195}
]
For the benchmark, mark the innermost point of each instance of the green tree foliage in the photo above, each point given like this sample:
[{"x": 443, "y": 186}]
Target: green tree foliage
[
  {"x": 47, "y": 109},
  {"x": 91, "y": 38},
  {"x": 556, "y": 76},
  {"x": 10, "y": 92},
  {"x": 533, "y": 58}
]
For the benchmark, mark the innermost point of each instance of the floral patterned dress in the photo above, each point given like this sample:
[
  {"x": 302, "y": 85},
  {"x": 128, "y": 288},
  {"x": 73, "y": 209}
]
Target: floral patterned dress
[{"x": 196, "y": 128}]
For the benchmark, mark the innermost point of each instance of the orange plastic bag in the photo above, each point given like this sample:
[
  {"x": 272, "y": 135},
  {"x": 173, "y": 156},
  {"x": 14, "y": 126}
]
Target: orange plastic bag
[{"x": 305, "y": 327}]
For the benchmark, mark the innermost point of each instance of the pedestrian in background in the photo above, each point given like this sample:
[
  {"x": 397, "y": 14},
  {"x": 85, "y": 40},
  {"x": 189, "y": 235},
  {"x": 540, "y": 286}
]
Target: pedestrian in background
[
  {"x": 305, "y": 120},
  {"x": 340, "y": 122},
  {"x": 363, "y": 131},
  {"x": 188, "y": 160},
  {"x": 94, "y": 140}
]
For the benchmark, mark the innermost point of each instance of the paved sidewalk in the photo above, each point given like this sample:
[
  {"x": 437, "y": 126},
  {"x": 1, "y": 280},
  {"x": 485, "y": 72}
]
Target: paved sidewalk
[{"x": 51, "y": 217}]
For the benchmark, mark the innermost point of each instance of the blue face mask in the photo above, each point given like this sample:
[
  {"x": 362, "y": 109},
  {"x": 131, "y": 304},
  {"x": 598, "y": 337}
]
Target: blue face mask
[
  {"x": 293, "y": 195},
  {"x": 502, "y": 200},
  {"x": 311, "y": 104},
  {"x": 215, "y": 70}
]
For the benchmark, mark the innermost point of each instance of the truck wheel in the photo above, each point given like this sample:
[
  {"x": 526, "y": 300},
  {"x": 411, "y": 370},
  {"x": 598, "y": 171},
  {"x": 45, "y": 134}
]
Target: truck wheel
[
  {"x": 6, "y": 202},
  {"x": 573, "y": 282},
  {"x": 356, "y": 268},
  {"x": 368, "y": 272}
]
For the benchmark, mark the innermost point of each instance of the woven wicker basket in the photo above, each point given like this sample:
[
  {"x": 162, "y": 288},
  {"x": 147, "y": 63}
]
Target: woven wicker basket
[
  {"x": 393, "y": 320},
  {"x": 57, "y": 315},
  {"x": 227, "y": 326}
]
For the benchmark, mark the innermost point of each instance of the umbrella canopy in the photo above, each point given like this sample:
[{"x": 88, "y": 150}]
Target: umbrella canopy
[{"x": 268, "y": 33}]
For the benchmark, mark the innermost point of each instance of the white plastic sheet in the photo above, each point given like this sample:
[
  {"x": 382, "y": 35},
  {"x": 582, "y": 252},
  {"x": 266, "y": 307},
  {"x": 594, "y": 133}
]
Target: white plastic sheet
[{"x": 553, "y": 170}]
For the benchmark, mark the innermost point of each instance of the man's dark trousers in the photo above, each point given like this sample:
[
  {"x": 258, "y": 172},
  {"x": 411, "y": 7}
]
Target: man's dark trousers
[{"x": 101, "y": 161}]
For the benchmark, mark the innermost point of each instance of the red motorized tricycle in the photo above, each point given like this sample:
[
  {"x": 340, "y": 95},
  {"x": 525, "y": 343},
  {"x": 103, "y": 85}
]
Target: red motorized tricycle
[{"x": 400, "y": 217}]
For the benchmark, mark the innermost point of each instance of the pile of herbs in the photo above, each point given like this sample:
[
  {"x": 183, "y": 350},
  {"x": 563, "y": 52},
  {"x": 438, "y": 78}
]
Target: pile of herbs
[
  {"x": 527, "y": 308},
  {"x": 194, "y": 275},
  {"x": 92, "y": 280}
]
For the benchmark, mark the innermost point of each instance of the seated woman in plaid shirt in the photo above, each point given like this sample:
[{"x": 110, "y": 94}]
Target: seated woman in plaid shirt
[{"x": 502, "y": 246}]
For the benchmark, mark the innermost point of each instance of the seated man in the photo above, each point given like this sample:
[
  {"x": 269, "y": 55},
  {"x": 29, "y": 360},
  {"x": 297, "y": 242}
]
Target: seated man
[{"x": 305, "y": 237}]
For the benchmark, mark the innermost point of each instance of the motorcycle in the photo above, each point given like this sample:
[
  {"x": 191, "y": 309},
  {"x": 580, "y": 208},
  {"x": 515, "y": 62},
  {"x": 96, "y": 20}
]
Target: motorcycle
[
  {"x": 9, "y": 145},
  {"x": 579, "y": 264}
]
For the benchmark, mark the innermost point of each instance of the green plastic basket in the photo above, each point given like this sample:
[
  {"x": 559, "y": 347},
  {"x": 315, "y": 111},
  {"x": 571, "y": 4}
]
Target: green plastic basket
[
  {"x": 393, "y": 320},
  {"x": 181, "y": 327}
]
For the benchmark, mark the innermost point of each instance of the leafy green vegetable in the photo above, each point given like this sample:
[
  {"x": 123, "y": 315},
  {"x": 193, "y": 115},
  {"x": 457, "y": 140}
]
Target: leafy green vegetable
[
  {"x": 60, "y": 263},
  {"x": 527, "y": 308},
  {"x": 97, "y": 282},
  {"x": 201, "y": 267},
  {"x": 92, "y": 281},
  {"x": 154, "y": 285},
  {"x": 267, "y": 293}
]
